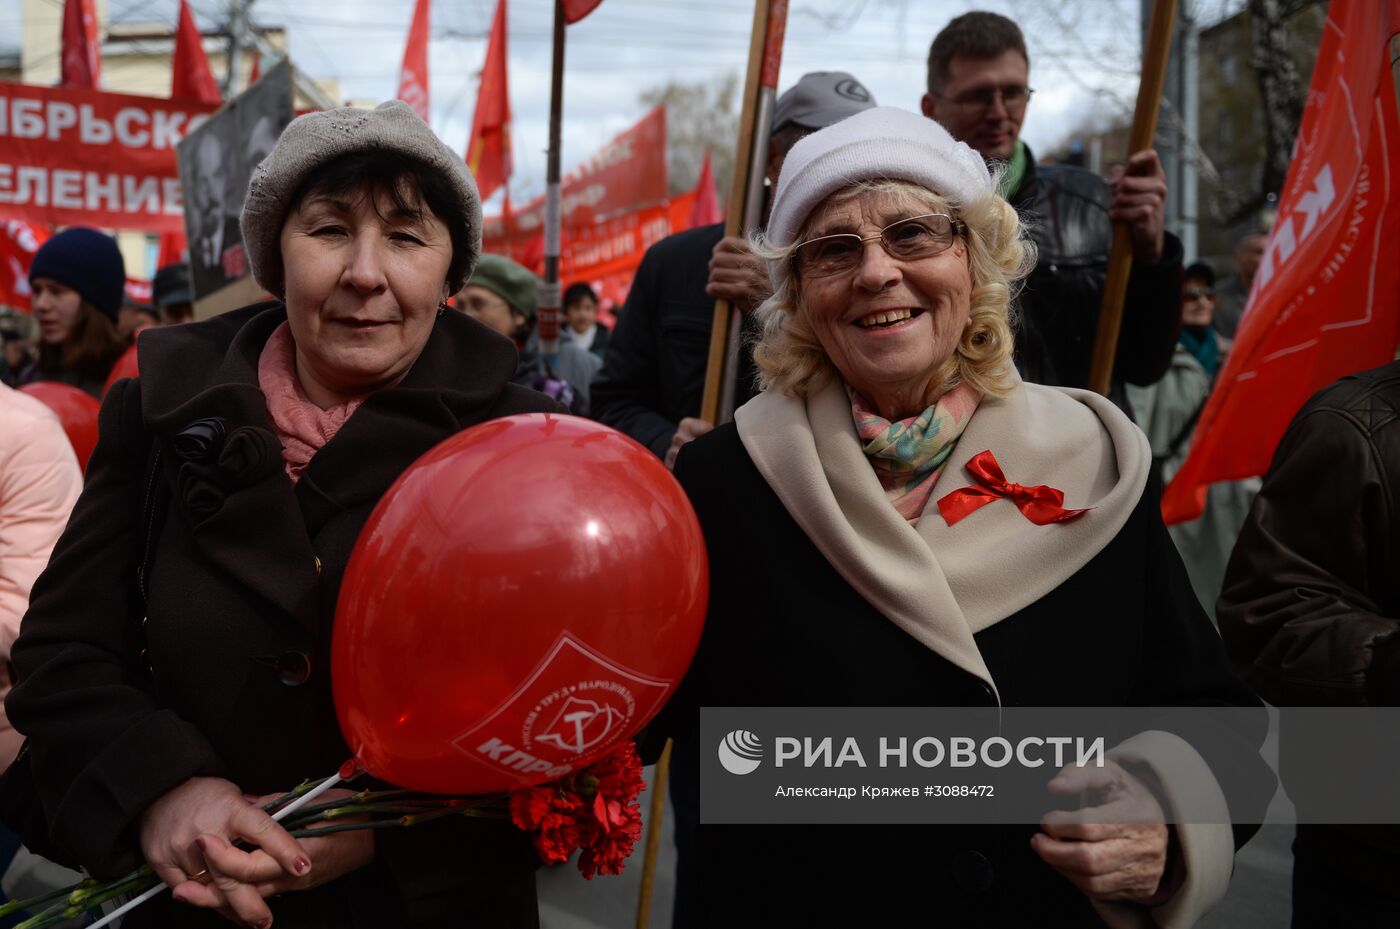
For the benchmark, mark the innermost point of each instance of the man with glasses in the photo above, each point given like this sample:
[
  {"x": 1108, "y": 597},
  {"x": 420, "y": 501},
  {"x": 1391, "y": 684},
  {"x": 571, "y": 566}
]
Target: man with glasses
[{"x": 979, "y": 90}]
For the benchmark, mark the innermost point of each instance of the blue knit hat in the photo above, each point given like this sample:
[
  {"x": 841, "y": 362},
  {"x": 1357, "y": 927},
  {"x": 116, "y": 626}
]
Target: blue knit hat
[{"x": 87, "y": 261}]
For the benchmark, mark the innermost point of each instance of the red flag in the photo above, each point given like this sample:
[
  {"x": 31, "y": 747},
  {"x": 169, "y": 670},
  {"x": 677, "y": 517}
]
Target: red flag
[
  {"x": 18, "y": 243},
  {"x": 413, "y": 76},
  {"x": 706, "y": 211},
  {"x": 1326, "y": 299},
  {"x": 575, "y": 10},
  {"x": 255, "y": 71},
  {"x": 82, "y": 52},
  {"x": 488, "y": 146},
  {"x": 139, "y": 291},
  {"x": 190, "y": 77},
  {"x": 174, "y": 249}
]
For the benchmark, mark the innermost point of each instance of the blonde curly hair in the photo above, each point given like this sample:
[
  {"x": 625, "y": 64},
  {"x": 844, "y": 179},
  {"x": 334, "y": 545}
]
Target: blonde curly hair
[{"x": 788, "y": 356}]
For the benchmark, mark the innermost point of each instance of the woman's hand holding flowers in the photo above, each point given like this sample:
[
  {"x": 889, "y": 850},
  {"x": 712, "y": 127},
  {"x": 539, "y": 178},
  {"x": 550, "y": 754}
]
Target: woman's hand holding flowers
[{"x": 185, "y": 834}]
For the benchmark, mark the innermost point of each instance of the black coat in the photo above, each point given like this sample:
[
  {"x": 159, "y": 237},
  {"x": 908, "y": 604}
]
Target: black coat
[
  {"x": 229, "y": 674},
  {"x": 1067, "y": 209},
  {"x": 653, "y": 372},
  {"x": 785, "y": 629}
]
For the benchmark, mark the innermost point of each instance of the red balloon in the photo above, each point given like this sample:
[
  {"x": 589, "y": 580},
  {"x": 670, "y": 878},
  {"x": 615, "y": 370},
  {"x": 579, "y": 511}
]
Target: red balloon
[
  {"x": 526, "y": 595},
  {"x": 76, "y": 410},
  {"x": 125, "y": 367}
]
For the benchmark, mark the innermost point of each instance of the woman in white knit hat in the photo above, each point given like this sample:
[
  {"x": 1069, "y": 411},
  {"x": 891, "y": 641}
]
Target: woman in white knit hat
[
  {"x": 879, "y": 535},
  {"x": 176, "y": 655}
]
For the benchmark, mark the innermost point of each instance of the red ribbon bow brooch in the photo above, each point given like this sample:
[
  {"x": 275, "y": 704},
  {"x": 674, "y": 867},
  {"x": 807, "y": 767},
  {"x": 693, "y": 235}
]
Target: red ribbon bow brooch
[{"x": 1041, "y": 504}]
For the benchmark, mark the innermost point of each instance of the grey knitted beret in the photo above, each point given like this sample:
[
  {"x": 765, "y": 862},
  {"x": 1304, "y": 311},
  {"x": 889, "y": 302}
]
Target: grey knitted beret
[
  {"x": 315, "y": 139},
  {"x": 883, "y": 142}
]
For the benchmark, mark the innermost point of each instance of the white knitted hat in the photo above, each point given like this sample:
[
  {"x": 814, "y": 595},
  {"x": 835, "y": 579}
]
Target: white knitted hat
[
  {"x": 315, "y": 139},
  {"x": 883, "y": 142}
]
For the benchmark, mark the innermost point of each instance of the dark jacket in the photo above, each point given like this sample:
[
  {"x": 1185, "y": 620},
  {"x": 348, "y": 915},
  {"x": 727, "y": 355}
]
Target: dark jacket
[
  {"x": 86, "y": 382},
  {"x": 653, "y": 372},
  {"x": 1067, "y": 210},
  {"x": 228, "y": 674},
  {"x": 1310, "y": 612},
  {"x": 1124, "y": 630}
]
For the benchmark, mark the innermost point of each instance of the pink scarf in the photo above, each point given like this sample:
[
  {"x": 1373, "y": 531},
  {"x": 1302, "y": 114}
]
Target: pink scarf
[{"x": 302, "y": 426}]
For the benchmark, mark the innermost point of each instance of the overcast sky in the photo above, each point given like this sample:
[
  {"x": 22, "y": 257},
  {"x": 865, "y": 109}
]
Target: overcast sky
[{"x": 1084, "y": 55}]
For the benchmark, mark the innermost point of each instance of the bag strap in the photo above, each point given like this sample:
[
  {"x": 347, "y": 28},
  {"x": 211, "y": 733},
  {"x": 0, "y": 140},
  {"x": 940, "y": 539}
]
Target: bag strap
[{"x": 1185, "y": 434}]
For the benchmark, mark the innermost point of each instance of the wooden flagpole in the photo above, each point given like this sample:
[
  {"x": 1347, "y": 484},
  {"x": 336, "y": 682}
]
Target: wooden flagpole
[
  {"x": 746, "y": 190},
  {"x": 1156, "y": 51},
  {"x": 744, "y": 214}
]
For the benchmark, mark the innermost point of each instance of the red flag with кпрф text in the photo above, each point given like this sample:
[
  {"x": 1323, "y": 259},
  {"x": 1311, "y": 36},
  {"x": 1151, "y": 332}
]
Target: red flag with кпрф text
[
  {"x": 488, "y": 146},
  {"x": 190, "y": 77},
  {"x": 413, "y": 76},
  {"x": 82, "y": 52},
  {"x": 1326, "y": 298}
]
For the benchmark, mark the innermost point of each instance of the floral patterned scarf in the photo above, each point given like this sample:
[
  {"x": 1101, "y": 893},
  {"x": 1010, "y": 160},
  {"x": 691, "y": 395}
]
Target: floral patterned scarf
[{"x": 908, "y": 455}]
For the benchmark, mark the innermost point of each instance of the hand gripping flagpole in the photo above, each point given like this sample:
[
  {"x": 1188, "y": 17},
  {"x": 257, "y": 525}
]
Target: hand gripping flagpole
[
  {"x": 1156, "y": 51},
  {"x": 348, "y": 771}
]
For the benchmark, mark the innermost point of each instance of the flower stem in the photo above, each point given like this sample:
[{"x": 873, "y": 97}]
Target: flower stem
[{"x": 14, "y": 906}]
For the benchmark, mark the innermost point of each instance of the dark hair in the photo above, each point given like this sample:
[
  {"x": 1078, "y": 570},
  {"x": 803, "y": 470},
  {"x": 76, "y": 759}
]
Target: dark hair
[
  {"x": 972, "y": 35},
  {"x": 91, "y": 350},
  {"x": 409, "y": 184},
  {"x": 1199, "y": 271},
  {"x": 578, "y": 291},
  {"x": 782, "y": 141}
]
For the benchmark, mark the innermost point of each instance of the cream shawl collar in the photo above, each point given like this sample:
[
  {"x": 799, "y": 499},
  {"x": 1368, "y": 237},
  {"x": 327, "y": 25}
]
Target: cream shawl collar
[{"x": 939, "y": 583}]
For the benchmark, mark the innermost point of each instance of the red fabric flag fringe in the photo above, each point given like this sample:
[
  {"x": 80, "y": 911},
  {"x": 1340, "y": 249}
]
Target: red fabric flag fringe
[
  {"x": 488, "y": 146},
  {"x": 82, "y": 52},
  {"x": 190, "y": 77},
  {"x": 707, "y": 211},
  {"x": 575, "y": 10},
  {"x": 413, "y": 76}
]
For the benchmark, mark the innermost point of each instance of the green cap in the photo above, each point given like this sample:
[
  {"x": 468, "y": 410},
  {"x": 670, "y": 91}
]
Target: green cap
[{"x": 512, "y": 282}]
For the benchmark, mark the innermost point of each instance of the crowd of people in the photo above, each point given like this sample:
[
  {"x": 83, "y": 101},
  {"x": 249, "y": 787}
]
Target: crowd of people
[{"x": 922, "y": 299}]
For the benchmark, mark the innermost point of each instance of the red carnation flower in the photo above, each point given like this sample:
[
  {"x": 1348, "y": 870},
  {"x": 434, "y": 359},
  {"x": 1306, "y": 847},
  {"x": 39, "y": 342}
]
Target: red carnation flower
[
  {"x": 613, "y": 823},
  {"x": 595, "y": 810},
  {"x": 552, "y": 814}
]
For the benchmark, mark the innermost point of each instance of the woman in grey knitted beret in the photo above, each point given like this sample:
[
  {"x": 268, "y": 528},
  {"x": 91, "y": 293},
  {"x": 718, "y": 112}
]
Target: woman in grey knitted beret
[{"x": 174, "y": 663}]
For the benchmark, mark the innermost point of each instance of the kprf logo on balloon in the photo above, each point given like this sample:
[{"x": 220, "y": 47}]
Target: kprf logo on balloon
[
  {"x": 740, "y": 752},
  {"x": 574, "y": 704}
]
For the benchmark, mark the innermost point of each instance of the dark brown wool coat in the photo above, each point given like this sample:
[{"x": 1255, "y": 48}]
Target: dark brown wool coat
[{"x": 241, "y": 601}]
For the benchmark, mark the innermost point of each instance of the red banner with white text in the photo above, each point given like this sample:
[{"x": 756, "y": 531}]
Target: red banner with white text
[
  {"x": 627, "y": 173},
  {"x": 70, "y": 156},
  {"x": 605, "y": 255},
  {"x": 1326, "y": 298}
]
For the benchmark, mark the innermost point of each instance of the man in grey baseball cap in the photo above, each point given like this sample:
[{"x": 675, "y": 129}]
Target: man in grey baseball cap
[
  {"x": 820, "y": 99},
  {"x": 654, "y": 369}
]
